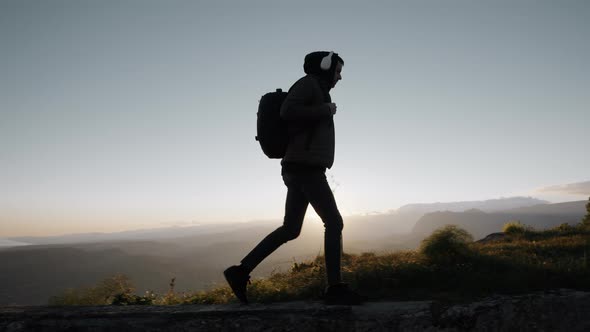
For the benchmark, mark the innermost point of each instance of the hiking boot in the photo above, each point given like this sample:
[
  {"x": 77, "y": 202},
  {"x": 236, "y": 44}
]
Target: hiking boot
[
  {"x": 341, "y": 294},
  {"x": 238, "y": 279}
]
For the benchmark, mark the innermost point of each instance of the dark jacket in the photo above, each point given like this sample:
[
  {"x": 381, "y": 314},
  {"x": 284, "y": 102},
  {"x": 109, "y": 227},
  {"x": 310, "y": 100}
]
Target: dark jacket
[{"x": 307, "y": 113}]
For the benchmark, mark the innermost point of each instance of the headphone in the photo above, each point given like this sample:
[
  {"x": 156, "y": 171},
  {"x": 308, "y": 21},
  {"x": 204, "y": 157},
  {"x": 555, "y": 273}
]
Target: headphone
[{"x": 327, "y": 61}]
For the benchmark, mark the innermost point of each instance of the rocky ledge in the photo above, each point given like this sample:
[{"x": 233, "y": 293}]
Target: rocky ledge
[{"x": 557, "y": 310}]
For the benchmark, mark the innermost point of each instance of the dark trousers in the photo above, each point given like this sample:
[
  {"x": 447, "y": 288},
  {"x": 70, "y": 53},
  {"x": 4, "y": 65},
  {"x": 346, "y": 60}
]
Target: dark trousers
[{"x": 305, "y": 188}]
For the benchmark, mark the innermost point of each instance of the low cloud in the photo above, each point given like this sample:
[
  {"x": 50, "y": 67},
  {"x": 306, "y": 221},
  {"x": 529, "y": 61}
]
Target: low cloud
[{"x": 578, "y": 188}]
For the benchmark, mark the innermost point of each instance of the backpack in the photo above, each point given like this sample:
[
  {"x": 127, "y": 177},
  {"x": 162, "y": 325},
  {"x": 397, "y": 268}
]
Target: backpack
[{"x": 271, "y": 130}]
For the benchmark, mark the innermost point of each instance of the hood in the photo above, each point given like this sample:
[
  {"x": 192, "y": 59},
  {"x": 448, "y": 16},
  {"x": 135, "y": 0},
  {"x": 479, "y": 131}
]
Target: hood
[{"x": 322, "y": 64}]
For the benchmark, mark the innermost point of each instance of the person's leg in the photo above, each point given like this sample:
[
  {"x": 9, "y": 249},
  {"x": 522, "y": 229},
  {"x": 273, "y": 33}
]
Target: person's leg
[
  {"x": 295, "y": 208},
  {"x": 320, "y": 196}
]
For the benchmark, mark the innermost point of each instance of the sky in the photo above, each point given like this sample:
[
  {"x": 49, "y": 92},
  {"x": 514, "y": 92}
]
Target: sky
[{"x": 131, "y": 114}]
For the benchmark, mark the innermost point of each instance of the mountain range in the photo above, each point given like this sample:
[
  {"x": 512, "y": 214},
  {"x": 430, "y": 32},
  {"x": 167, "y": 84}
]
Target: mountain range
[
  {"x": 399, "y": 221},
  {"x": 480, "y": 223}
]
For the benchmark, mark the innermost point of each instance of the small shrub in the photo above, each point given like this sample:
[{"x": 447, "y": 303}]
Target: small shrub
[
  {"x": 117, "y": 288},
  {"x": 515, "y": 227},
  {"x": 564, "y": 228},
  {"x": 586, "y": 220},
  {"x": 448, "y": 244}
]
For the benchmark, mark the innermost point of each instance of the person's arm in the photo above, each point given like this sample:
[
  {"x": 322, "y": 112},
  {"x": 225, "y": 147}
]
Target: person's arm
[{"x": 297, "y": 104}]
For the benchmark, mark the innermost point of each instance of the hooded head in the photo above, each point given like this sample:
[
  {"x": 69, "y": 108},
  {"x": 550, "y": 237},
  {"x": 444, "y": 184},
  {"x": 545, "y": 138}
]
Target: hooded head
[{"x": 323, "y": 65}]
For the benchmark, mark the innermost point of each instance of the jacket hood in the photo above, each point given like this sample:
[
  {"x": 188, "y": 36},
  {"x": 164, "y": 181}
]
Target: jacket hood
[{"x": 322, "y": 64}]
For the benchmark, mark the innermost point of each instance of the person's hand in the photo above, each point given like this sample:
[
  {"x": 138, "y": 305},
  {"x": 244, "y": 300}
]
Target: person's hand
[{"x": 332, "y": 108}]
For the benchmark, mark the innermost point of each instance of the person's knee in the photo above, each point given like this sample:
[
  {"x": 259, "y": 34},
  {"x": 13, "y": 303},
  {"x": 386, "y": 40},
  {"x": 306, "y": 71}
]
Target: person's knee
[
  {"x": 290, "y": 233},
  {"x": 335, "y": 225}
]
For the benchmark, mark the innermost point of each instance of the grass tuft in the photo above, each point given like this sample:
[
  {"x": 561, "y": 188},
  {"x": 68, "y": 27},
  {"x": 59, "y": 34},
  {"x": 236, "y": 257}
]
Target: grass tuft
[{"x": 515, "y": 227}]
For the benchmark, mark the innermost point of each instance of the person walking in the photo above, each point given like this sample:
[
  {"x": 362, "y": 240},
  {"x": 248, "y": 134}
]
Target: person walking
[{"x": 309, "y": 112}]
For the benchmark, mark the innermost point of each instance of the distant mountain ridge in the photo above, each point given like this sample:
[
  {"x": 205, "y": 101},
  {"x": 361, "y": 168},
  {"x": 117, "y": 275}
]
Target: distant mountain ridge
[
  {"x": 406, "y": 216},
  {"x": 139, "y": 234},
  {"x": 486, "y": 205},
  {"x": 397, "y": 221},
  {"x": 480, "y": 223},
  {"x": 5, "y": 243}
]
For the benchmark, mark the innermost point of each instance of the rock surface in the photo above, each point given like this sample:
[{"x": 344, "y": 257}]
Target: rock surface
[{"x": 557, "y": 310}]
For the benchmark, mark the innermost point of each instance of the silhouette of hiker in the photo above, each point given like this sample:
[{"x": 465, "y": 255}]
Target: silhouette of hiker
[{"x": 309, "y": 112}]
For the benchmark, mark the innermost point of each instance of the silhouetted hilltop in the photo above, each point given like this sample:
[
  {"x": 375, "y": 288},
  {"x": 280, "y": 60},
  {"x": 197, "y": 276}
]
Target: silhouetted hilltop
[
  {"x": 480, "y": 223},
  {"x": 406, "y": 216},
  {"x": 486, "y": 205},
  {"x": 571, "y": 209}
]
